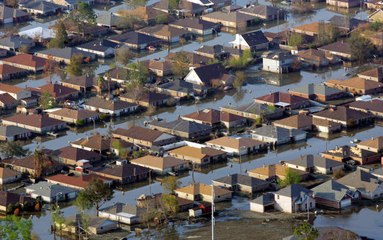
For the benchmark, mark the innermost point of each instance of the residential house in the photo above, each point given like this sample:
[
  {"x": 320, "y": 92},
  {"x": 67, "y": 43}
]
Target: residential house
[
  {"x": 376, "y": 16},
  {"x": 121, "y": 147},
  {"x": 275, "y": 172},
  {"x": 8, "y": 176},
  {"x": 135, "y": 40},
  {"x": 283, "y": 100},
  {"x": 374, "y": 74},
  {"x": 219, "y": 52},
  {"x": 50, "y": 192},
  {"x": 180, "y": 89},
  {"x": 280, "y": 62},
  {"x": 277, "y": 135},
  {"x": 311, "y": 30},
  {"x": 40, "y": 7},
  {"x": 123, "y": 213},
  {"x": 154, "y": 201},
  {"x": 111, "y": 107},
  {"x": 236, "y": 146},
  {"x": 196, "y": 26},
  {"x": 12, "y": 15},
  {"x": 36, "y": 123},
  {"x": 144, "y": 136},
  {"x": 77, "y": 182},
  {"x": 242, "y": 183},
  {"x": 8, "y": 200},
  {"x": 15, "y": 43},
  {"x": 313, "y": 58},
  {"x": 158, "y": 68},
  {"x": 71, "y": 155},
  {"x": 122, "y": 174},
  {"x": 117, "y": 75},
  {"x": 110, "y": 20},
  {"x": 356, "y": 85},
  {"x": 204, "y": 192},
  {"x": 214, "y": 75},
  {"x": 294, "y": 198},
  {"x": 266, "y": 13},
  {"x": 318, "y": 164},
  {"x": 375, "y": 5},
  {"x": 71, "y": 4},
  {"x": 85, "y": 29},
  {"x": 347, "y": 117},
  {"x": 343, "y": 3},
  {"x": 254, "y": 111},
  {"x": 335, "y": 195},
  {"x": 13, "y": 133},
  {"x": 165, "y": 32},
  {"x": 38, "y": 34},
  {"x": 373, "y": 145},
  {"x": 234, "y": 19},
  {"x": 16, "y": 92},
  {"x": 326, "y": 126},
  {"x": 182, "y": 128},
  {"x": 26, "y": 61},
  {"x": 95, "y": 225},
  {"x": 83, "y": 84},
  {"x": 262, "y": 203},
  {"x": 161, "y": 165},
  {"x": 374, "y": 107},
  {"x": 57, "y": 92},
  {"x": 317, "y": 92},
  {"x": 341, "y": 49},
  {"x": 8, "y": 72},
  {"x": 146, "y": 14},
  {"x": 254, "y": 41},
  {"x": 146, "y": 98},
  {"x": 103, "y": 48},
  {"x": 345, "y": 24},
  {"x": 358, "y": 155},
  {"x": 7, "y": 102},
  {"x": 74, "y": 116},
  {"x": 300, "y": 121},
  {"x": 198, "y": 155},
  {"x": 194, "y": 59},
  {"x": 65, "y": 54},
  {"x": 95, "y": 143},
  {"x": 367, "y": 184}
]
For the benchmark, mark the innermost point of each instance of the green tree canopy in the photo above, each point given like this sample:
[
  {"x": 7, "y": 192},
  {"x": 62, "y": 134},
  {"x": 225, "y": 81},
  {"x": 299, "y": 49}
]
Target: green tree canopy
[
  {"x": 12, "y": 149},
  {"x": 138, "y": 75},
  {"x": 46, "y": 101},
  {"x": 83, "y": 13},
  {"x": 61, "y": 37},
  {"x": 170, "y": 183},
  {"x": 295, "y": 39},
  {"x": 305, "y": 231},
  {"x": 361, "y": 48},
  {"x": 74, "y": 68},
  {"x": 181, "y": 63},
  {"x": 15, "y": 228},
  {"x": 291, "y": 178}
]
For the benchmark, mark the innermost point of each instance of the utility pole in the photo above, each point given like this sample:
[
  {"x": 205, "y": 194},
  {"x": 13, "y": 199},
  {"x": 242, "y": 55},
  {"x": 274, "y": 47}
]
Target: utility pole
[{"x": 212, "y": 213}]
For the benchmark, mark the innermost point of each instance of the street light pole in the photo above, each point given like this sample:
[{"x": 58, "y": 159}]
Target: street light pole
[{"x": 212, "y": 213}]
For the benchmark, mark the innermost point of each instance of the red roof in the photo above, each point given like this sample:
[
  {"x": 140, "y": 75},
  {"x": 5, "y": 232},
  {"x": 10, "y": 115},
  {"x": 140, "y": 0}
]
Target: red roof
[
  {"x": 8, "y": 69},
  {"x": 26, "y": 60},
  {"x": 75, "y": 181},
  {"x": 57, "y": 90}
]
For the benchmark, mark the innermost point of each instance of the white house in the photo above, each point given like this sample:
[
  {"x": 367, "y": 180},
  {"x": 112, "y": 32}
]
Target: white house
[
  {"x": 111, "y": 107},
  {"x": 294, "y": 198},
  {"x": 254, "y": 41},
  {"x": 122, "y": 213},
  {"x": 50, "y": 192},
  {"x": 278, "y": 62},
  {"x": 102, "y": 48},
  {"x": 17, "y": 93}
]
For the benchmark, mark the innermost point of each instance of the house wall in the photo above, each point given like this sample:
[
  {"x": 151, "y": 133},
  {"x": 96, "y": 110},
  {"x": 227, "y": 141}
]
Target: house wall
[
  {"x": 184, "y": 195},
  {"x": 10, "y": 179},
  {"x": 255, "y": 207},
  {"x": 283, "y": 204},
  {"x": 323, "y": 170},
  {"x": 119, "y": 219},
  {"x": 217, "y": 198}
]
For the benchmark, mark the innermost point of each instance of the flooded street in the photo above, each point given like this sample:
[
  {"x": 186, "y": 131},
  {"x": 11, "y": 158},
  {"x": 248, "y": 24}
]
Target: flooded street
[{"x": 365, "y": 221}]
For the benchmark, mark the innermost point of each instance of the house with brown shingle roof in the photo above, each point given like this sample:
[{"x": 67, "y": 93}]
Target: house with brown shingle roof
[
  {"x": 58, "y": 92},
  {"x": 375, "y": 74},
  {"x": 203, "y": 192},
  {"x": 70, "y": 155},
  {"x": 300, "y": 121},
  {"x": 144, "y": 136},
  {"x": 356, "y": 85},
  {"x": 8, "y": 176},
  {"x": 274, "y": 172},
  {"x": 340, "y": 49},
  {"x": 77, "y": 182},
  {"x": 111, "y": 107},
  {"x": 82, "y": 84},
  {"x": 236, "y": 145},
  {"x": 198, "y": 155},
  {"x": 8, "y": 72},
  {"x": 213, "y": 75},
  {"x": 121, "y": 174},
  {"x": 313, "y": 57},
  {"x": 161, "y": 165},
  {"x": 165, "y": 32},
  {"x": 372, "y": 145},
  {"x": 345, "y": 116},
  {"x": 374, "y": 107},
  {"x": 35, "y": 122},
  {"x": 146, "y": 98},
  {"x": 311, "y": 29},
  {"x": 26, "y": 61},
  {"x": 158, "y": 68},
  {"x": 95, "y": 143},
  {"x": 231, "y": 19},
  {"x": 16, "y": 92},
  {"x": 8, "y": 200},
  {"x": 74, "y": 116},
  {"x": 284, "y": 100},
  {"x": 7, "y": 101}
]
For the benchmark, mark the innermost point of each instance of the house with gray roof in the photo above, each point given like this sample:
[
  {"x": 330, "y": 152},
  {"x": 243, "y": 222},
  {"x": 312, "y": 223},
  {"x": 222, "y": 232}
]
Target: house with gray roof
[
  {"x": 196, "y": 26},
  {"x": 294, "y": 198},
  {"x": 334, "y": 195},
  {"x": 370, "y": 186},
  {"x": 123, "y": 213},
  {"x": 181, "y": 89},
  {"x": 12, "y": 15},
  {"x": 219, "y": 52},
  {"x": 13, "y": 133},
  {"x": 262, "y": 203},
  {"x": 112, "y": 107},
  {"x": 135, "y": 40},
  {"x": 14, "y": 43},
  {"x": 65, "y": 54},
  {"x": 182, "y": 128},
  {"x": 311, "y": 163},
  {"x": 254, "y": 41},
  {"x": 254, "y": 110},
  {"x": 277, "y": 135},
  {"x": 108, "y": 20},
  {"x": 242, "y": 183},
  {"x": 266, "y": 13},
  {"x": 102, "y": 48},
  {"x": 317, "y": 92},
  {"x": 40, "y": 7},
  {"x": 50, "y": 192},
  {"x": 345, "y": 24}
]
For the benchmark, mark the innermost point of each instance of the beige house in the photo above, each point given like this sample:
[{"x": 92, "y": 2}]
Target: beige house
[
  {"x": 8, "y": 175},
  {"x": 199, "y": 156},
  {"x": 161, "y": 165},
  {"x": 236, "y": 146},
  {"x": 204, "y": 192},
  {"x": 373, "y": 145}
]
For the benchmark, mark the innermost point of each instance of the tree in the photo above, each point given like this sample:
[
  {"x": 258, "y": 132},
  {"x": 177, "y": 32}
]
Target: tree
[
  {"x": 83, "y": 13},
  {"x": 12, "y": 149},
  {"x": 295, "y": 39},
  {"x": 137, "y": 3},
  {"x": 291, "y": 178},
  {"x": 24, "y": 49},
  {"x": 339, "y": 173},
  {"x": 138, "y": 75},
  {"x": 50, "y": 67},
  {"x": 170, "y": 183},
  {"x": 46, "y": 101},
  {"x": 173, "y": 4},
  {"x": 95, "y": 194},
  {"x": 169, "y": 203},
  {"x": 240, "y": 78},
  {"x": 40, "y": 161},
  {"x": 124, "y": 55},
  {"x": 181, "y": 63},
  {"x": 242, "y": 61},
  {"x": 122, "y": 152},
  {"x": 305, "y": 231},
  {"x": 15, "y": 228},
  {"x": 361, "y": 48},
  {"x": 58, "y": 219},
  {"x": 61, "y": 37},
  {"x": 327, "y": 33},
  {"x": 162, "y": 18},
  {"x": 74, "y": 68}
]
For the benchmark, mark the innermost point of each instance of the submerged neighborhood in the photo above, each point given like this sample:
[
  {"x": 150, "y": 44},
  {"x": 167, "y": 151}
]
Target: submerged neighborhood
[{"x": 177, "y": 119}]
